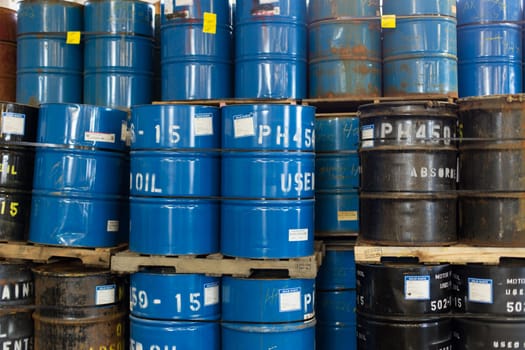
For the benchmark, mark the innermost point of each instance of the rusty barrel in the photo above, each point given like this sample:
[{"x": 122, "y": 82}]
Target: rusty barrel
[
  {"x": 408, "y": 173},
  {"x": 492, "y": 166},
  {"x": 404, "y": 306},
  {"x": 7, "y": 54},
  {"x": 79, "y": 307},
  {"x": 18, "y": 125},
  {"x": 16, "y": 298},
  {"x": 344, "y": 48}
]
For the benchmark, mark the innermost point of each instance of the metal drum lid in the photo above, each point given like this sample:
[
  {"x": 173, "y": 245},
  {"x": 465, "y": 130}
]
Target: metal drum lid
[
  {"x": 18, "y": 122},
  {"x": 490, "y": 289},
  {"x": 163, "y": 295},
  {"x": 128, "y": 17},
  {"x": 267, "y": 299},
  {"x": 339, "y": 132},
  {"x": 268, "y": 127},
  {"x": 338, "y": 269},
  {"x": 175, "y": 127},
  {"x": 82, "y": 125},
  {"x": 404, "y": 289},
  {"x": 49, "y": 16}
]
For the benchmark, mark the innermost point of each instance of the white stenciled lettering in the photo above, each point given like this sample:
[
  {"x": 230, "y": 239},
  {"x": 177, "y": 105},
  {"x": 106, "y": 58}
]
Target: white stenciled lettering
[
  {"x": 264, "y": 131},
  {"x": 16, "y": 291},
  {"x": 515, "y": 280},
  {"x": 308, "y": 301},
  {"x": 301, "y": 181},
  {"x": 19, "y": 344},
  {"x": 145, "y": 182},
  {"x": 385, "y": 130},
  {"x": 281, "y": 136},
  {"x": 163, "y": 347},
  {"x": 442, "y": 173},
  {"x": 514, "y": 291}
]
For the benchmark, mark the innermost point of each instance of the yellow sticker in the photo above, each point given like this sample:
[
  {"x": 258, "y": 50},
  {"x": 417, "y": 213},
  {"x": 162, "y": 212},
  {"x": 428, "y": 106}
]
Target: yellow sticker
[
  {"x": 73, "y": 38},
  {"x": 347, "y": 216},
  {"x": 388, "y": 21},
  {"x": 210, "y": 23}
]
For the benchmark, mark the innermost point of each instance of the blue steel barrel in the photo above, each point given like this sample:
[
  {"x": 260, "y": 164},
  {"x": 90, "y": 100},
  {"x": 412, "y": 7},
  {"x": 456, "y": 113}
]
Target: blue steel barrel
[
  {"x": 196, "y": 59},
  {"x": 270, "y": 49},
  {"x": 80, "y": 180},
  {"x": 420, "y": 54},
  {"x": 265, "y": 299},
  {"x": 118, "y": 55},
  {"x": 48, "y": 68},
  {"x": 337, "y": 272},
  {"x": 161, "y": 334},
  {"x": 336, "y": 320},
  {"x": 165, "y": 295},
  {"x": 175, "y": 169},
  {"x": 336, "y": 212},
  {"x": 267, "y": 181},
  {"x": 286, "y": 336},
  {"x": 344, "y": 49},
  {"x": 490, "y": 47}
]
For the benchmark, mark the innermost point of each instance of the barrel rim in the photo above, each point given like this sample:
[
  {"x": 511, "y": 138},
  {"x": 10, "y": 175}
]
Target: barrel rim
[
  {"x": 79, "y": 270},
  {"x": 408, "y": 108},
  {"x": 466, "y": 103}
]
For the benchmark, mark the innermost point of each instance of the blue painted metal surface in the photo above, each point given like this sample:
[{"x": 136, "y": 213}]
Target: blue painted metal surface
[
  {"x": 80, "y": 177},
  {"x": 195, "y": 64},
  {"x": 181, "y": 225},
  {"x": 267, "y": 228},
  {"x": 490, "y": 59},
  {"x": 423, "y": 7},
  {"x": 267, "y": 299},
  {"x": 345, "y": 58},
  {"x": 164, "y": 295},
  {"x": 476, "y": 11},
  {"x": 324, "y": 9},
  {"x": 270, "y": 42},
  {"x": 175, "y": 172},
  {"x": 48, "y": 69},
  {"x": 337, "y": 170},
  {"x": 420, "y": 54},
  {"x": 286, "y": 336},
  {"x": 336, "y": 337},
  {"x": 336, "y": 307},
  {"x": 118, "y": 53},
  {"x": 336, "y": 212},
  {"x": 336, "y": 132},
  {"x": 256, "y": 175},
  {"x": 338, "y": 269},
  {"x": 171, "y": 335},
  {"x": 265, "y": 127}
]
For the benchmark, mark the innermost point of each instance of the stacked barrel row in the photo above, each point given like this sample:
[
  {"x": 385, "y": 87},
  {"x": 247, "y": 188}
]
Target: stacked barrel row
[
  {"x": 242, "y": 186},
  {"x": 99, "y": 54},
  {"x": 8, "y": 21}
]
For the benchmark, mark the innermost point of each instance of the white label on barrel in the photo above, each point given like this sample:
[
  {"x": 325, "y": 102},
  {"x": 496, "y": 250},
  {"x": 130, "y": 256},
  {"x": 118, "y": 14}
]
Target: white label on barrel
[
  {"x": 211, "y": 293},
  {"x": 347, "y": 215},
  {"x": 168, "y": 7},
  {"x": 99, "y": 137},
  {"x": 367, "y": 136},
  {"x": 105, "y": 294},
  {"x": 13, "y": 123},
  {"x": 480, "y": 290},
  {"x": 112, "y": 226},
  {"x": 289, "y": 299},
  {"x": 124, "y": 131},
  {"x": 202, "y": 124},
  {"x": 184, "y": 2},
  {"x": 262, "y": 2},
  {"x": 243, "y": 125},
  {"x": 297, "y": 234},
  {"x": 417, "y": 287}
]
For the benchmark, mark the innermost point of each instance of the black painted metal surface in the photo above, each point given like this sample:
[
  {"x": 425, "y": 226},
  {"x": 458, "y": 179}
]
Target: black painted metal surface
[
  {"x": 16, "y": 285},
  {"x": 16, "y": 330},
  {"x": 488, "y": 333}
]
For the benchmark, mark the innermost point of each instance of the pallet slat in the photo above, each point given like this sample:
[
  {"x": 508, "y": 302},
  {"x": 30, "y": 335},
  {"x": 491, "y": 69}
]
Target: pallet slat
[
  {"x": 455, "y": 254},
  {"x": 41, "y": 253}
]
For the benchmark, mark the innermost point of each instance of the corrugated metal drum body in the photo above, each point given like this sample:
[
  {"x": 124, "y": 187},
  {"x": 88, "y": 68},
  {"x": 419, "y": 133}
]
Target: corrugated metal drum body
[
  {"x": 118, "y": 53},
  {"x": 338, "y": 269},
  {"x": 336, "y": 212},
  {"x": 409, "y": 170},
  {"x": 81, "y": 146},
  {"x": 420, "y": 55},
  {"x": 8, "y": 19},
  {"x": 78, "y": 306},
  {"x": 492, "y": 170},
  {"x": 202, "y": 61},
  {"x": 17, "y": 330},
  {"x": 336, "y": 320},
  {"x": 48, "y": 69},
  {"x": 270, "y": 41},
  {"x": 492, "y": 333},
  {"x": 175, "y": 172},
  {"x": 344, "y": 48},
  {"x": 268, "y": 181},
  {"x": 162, "y": 294},
  {"x": 490, "y": 47},
  {"x": 18, "y": 124}
]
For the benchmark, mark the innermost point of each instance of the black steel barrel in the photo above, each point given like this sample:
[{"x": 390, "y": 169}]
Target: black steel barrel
[
  {"x": 79, "y": 307},
  {"x": 490, "y": 333},
  {"x": 490, "y": 289},
  {"x": 408, "y": 170},
  {"x": 18, "y": 124},
  {"x": 492, "y": 166},
  {"x": 16, "y": 305}
]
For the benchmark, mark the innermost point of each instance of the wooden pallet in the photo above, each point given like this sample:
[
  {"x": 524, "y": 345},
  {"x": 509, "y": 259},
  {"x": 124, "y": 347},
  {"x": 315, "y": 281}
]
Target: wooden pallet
[
  {"x": 225, "y": 102},
  {"x": 217, "y": 264},
  {"x": 454, "y": 254},
  {"x": 46, "y": 254}
]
